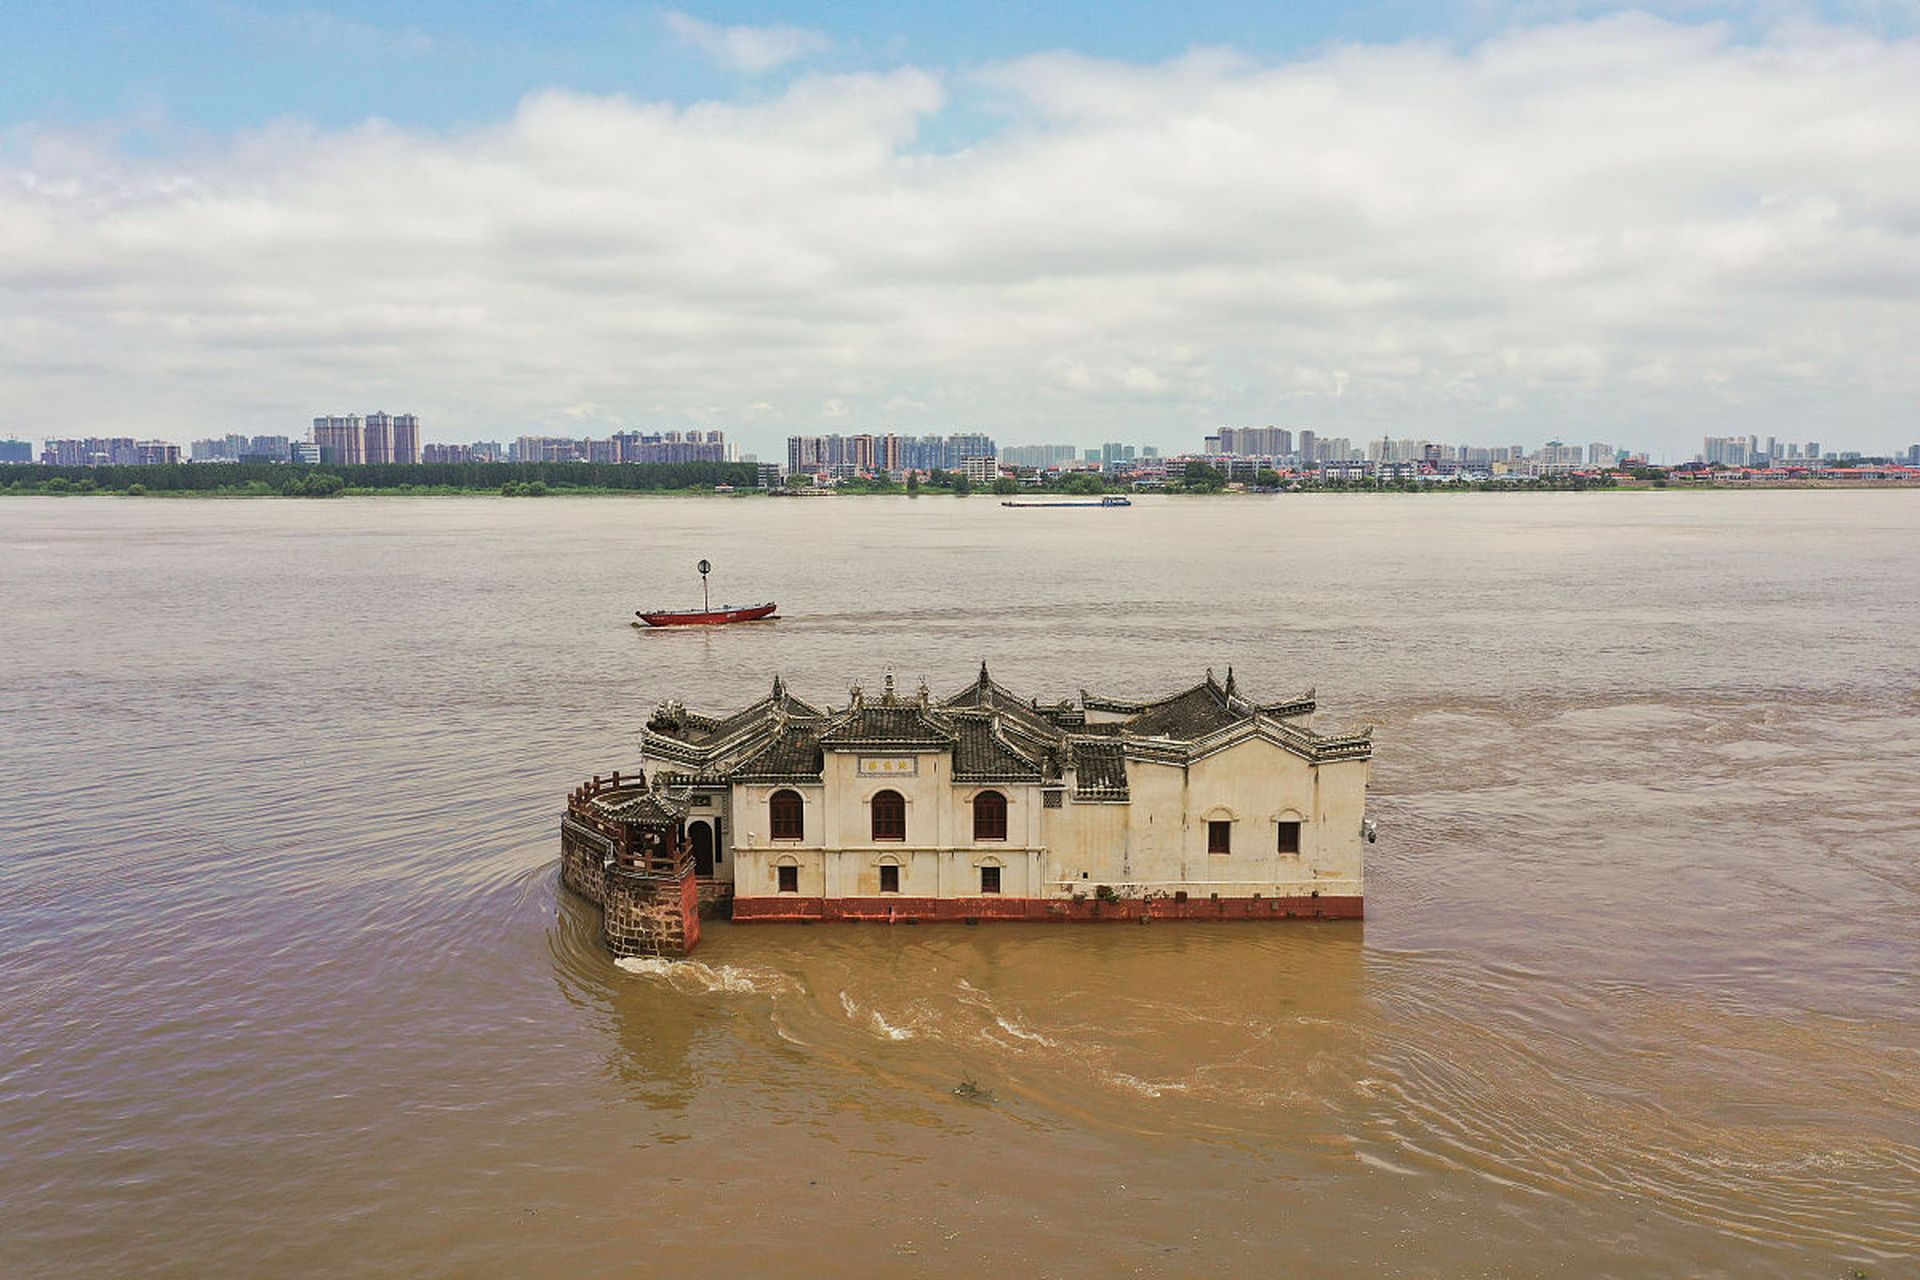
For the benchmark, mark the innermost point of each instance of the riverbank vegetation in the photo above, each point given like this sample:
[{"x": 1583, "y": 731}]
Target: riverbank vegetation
[
  {"x": 580, "y": 479},
  {"x": 270, "y": 480}
]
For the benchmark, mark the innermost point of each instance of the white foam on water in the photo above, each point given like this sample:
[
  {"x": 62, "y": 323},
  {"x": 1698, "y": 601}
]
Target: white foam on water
[
  {"x": 1014, "y": 1029},
  {"x": 887, "y": 1029},
  {"x": 725, "y": 979},
  {"x": 873, "y": 1017},
  {"x": 1148, "y": 1088}
]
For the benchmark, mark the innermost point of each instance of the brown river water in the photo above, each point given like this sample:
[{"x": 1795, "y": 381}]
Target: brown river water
[{"x": 290, "y": 987}]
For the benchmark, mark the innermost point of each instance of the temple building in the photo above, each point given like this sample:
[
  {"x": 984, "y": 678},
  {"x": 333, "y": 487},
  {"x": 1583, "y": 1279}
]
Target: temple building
[{"x": 1204, "y": 804}]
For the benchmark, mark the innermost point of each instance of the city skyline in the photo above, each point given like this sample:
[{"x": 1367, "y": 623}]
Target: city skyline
[
  {"x": 1485, "y": 225},
  {"x": 349, "y": 440}
]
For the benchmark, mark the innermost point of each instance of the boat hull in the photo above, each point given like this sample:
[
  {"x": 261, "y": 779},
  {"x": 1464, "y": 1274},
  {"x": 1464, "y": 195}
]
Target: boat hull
[{"x": 706, "y": 617}]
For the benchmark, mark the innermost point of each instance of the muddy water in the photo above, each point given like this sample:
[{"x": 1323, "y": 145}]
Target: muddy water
[{"x": 290, "y": 988}]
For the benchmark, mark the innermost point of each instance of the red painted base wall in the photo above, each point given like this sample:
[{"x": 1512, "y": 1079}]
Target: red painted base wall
[{"x": 898, "y": 910}]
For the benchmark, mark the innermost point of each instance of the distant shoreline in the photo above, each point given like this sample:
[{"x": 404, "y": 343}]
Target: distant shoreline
[
  {"x": 567, "y": 491},
  {"x": 741, "y": 480}
]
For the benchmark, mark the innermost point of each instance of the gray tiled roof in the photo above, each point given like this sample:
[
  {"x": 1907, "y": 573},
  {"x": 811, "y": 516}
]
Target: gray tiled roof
[
  {"x": 992, "y": 733},
  {"x": 676, "y": 722},
  {"x": 792, "y": 754},
  {"x": 983, "y": 755},
  {"x": 893, "y": 725},
  {"x": 645, "y": 808},
  {"x": 1195, "y": 713},
  {"x": 1099, "y": 770},
  {"x": 988, "y": 694}
]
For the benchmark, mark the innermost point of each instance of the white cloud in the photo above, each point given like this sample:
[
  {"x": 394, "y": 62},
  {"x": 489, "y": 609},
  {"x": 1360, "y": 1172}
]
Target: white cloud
[
  {"x": 1621, "y": 230},
  {"x": 749, "y": 49}
]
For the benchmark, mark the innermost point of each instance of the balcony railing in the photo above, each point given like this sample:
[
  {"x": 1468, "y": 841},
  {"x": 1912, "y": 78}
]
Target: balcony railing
[{"x": 665, "y": 856}]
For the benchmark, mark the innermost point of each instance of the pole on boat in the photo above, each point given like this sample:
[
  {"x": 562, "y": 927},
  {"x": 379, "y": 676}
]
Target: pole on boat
[{"x": 706, "y": 601}]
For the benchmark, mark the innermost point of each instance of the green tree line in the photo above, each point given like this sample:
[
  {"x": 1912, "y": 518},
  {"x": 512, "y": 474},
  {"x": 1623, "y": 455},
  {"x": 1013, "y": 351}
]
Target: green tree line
[{"x": 311, "y": 481}]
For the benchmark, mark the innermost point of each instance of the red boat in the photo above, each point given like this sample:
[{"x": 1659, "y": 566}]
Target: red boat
[{"x": 707, "y": 615}]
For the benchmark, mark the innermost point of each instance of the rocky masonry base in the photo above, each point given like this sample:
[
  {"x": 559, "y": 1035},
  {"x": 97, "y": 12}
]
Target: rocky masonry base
[
  {"x": 651, "y": 917},
  {"x": 640, "y": 915},
  {"x": 901, "y": 910}
]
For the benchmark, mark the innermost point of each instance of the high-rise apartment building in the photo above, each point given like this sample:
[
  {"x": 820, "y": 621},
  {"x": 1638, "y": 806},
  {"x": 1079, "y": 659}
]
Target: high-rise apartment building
[
  {"x": 874, "y": 454},
  {"x": 1255, "y": 442},
  {"x": 548, "y": 449},
  {"x": 1037, "y": 456},
  {"x": 15, "y": 451},
  {"x": 93, "y": 451},
  {"x": 227, "y": 448},
  {"x": 1727, "y": 451},
  {"x": 377, "y": 438},
  {"x": 113, "y": 451},
  {"x": 666, "y": 446},
  {"x": 406, "y": 437},
  {"x": 1387, "y": 449},
  {"x": 234, "y": 447},
  {"x": 806, "y": 455},
  {"x": 340, "y": 440}
]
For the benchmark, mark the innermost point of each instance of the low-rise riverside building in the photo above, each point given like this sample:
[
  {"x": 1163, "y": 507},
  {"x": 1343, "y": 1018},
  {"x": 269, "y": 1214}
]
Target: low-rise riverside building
[{"x": 983, "y": 805}]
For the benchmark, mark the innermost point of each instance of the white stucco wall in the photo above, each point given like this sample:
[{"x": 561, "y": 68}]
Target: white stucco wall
[{"x": 1155, "y": 843}]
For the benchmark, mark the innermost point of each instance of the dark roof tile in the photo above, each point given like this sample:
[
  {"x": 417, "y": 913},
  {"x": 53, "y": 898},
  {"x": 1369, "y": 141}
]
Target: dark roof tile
[
  {"x": 1099, "y": 770},
  {"x": 791, "y": 755},
  {"x": 983, "y": 755}
]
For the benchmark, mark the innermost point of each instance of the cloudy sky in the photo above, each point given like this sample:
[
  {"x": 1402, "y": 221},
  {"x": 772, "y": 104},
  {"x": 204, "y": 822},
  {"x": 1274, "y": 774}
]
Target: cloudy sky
[{"x": 1497, "y": 223}]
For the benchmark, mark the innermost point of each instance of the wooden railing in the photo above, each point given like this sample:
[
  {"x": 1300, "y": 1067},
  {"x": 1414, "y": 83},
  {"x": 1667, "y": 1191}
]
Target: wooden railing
[{"x": 668, "y": 859}]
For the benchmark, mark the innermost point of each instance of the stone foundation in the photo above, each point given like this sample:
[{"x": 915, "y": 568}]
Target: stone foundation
[
  {"x": 893, "y": 909},
  {"x": 650, "y": 917},
  {"x": 584, "y": 854},
  {"x": 640, "y": 915}
]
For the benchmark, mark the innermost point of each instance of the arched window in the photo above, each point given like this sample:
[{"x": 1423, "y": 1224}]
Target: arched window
[
  {"x": 989, "y": 816},
  {"x": 786, "y": 816},
  {"x": 889, "y": 816}
]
